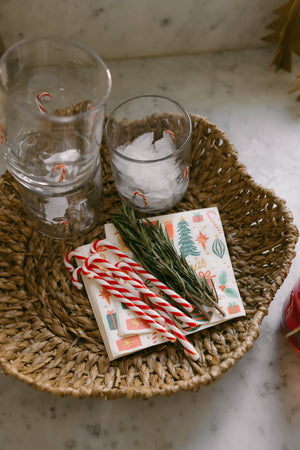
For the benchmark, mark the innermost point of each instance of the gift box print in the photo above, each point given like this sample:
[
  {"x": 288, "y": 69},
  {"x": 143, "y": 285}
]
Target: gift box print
[
  {"x": 111, "y": 317},
  {"x": 168, "y": 225},
  {"x": 129, "y": 343},
  {"x": 233, "y": 308},
  {"x": 137, "y": 324},
  {"x": 197, "y": 218}
]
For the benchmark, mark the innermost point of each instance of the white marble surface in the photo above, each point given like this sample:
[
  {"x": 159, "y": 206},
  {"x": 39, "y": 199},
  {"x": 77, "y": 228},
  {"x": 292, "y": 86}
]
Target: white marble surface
[
  {"x": 256, "y": 404},
  {"x": 134, "y": 28}
]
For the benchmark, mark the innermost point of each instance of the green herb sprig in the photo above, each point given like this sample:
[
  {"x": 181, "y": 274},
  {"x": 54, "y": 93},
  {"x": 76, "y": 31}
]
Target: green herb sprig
[{"x": 151, "y": 246}]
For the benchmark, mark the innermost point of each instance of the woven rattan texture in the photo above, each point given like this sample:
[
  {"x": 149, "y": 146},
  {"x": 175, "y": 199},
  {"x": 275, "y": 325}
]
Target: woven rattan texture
[{"x": 48, "y": 335}]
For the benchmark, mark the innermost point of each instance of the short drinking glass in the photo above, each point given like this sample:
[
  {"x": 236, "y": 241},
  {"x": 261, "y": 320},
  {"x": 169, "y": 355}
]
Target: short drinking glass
[{"x": 149, "y": 140}]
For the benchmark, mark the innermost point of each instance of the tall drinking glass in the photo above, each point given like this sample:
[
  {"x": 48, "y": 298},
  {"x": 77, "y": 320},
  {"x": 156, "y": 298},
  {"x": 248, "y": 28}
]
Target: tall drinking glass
[{"x": 53, "y": 94}]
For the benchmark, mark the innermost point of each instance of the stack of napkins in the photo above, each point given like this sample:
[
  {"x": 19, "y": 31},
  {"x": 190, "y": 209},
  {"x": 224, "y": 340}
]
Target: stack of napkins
[{"x": 199, "y": 236}]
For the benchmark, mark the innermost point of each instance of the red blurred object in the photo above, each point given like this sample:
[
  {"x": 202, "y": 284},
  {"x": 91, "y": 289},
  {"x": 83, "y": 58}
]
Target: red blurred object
[{"x": 291, "y": 317}]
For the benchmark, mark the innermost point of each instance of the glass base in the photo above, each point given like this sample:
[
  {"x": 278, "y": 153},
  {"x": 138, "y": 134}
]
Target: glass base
[{"x": 68, "y": 215}]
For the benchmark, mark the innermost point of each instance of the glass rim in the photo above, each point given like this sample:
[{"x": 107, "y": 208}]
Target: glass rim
[
  {"x": 149, "y": 161},
  {"x": 70, "y": 42}
]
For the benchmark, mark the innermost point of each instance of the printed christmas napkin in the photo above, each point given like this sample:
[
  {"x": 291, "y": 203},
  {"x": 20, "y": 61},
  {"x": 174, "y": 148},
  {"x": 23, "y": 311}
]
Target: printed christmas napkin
[{"x": 199, "y": 236}]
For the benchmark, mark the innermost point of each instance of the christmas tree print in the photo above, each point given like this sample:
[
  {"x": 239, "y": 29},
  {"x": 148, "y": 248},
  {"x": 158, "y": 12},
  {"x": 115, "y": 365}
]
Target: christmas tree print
[{"x": 186, "y": 242}]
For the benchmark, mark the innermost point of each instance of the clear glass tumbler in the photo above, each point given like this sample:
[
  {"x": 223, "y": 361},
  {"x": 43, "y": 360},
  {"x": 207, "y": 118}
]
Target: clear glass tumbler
[
  {"x": 149, "y": 140},
  {"x": 53, "y": 95}
]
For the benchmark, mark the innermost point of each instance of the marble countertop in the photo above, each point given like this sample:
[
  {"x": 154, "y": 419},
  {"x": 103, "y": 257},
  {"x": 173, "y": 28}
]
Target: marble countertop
[
  {"x": 156, "y": 28},
  {"x": 256, "y": 404}
]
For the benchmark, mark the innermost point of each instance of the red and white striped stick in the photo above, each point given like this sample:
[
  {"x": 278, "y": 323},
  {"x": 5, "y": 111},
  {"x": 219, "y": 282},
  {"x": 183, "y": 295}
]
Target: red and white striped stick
[
  {"x": 87, "y": 268},
  {"x": 72, "y": 254},
  {"x": 164, "y": 312},
  {"x": 133, "y": 306},
  {"x": 138, "y": 284},
  {"x": 177, "y": 298},
  {"x": 180, "y": 336},
  {"x": 141, "y": 287},
  {"x": 39, "y": 103},
  {"x": 173, "y": 327},
  {"x": 75, "y": 279}
]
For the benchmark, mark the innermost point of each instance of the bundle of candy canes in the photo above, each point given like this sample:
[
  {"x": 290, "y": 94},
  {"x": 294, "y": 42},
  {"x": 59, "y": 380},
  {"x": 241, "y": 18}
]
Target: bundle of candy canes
[{"x": 160, "y": 317}]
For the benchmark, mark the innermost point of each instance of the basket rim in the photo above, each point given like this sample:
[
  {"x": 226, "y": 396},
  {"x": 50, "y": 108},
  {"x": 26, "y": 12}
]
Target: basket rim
[{"x": 193, "y": 383}]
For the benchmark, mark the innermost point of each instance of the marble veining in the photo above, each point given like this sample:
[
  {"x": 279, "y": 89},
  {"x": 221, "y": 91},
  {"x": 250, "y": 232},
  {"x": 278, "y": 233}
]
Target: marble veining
[
  {"x": 256, "y": 404},
  {"x": 136, "y": 28}
]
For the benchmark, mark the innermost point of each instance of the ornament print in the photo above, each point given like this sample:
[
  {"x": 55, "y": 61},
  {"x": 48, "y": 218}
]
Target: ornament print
[{"x": 218, "y": 248}]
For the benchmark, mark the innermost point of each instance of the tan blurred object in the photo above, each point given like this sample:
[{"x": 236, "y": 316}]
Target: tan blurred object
[
  {"x": 285, "y": 35},
  {"x": 296, "y": 87},
  {"x": 77, "y": 108}
]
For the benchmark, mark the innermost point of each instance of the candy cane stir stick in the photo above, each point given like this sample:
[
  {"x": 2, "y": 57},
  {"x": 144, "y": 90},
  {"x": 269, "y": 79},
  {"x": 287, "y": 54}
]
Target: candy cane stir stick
[
  {"x": 90, "y": 266},
  {"x": 75, "y": 279},
  {"x": 72, "y": 254},
  {"x": 172, "y": 326},
  {"x": 126, "y": 292},
  {"x": 39, "y": 103},
  {"x": 111, "y": 285},
  {"x": 180, "y": 336},
  {"x": 90, "y": 269},
  {"x": 165, "y": 289},
  {"x": 118, "y": 293},
  {"x": 138, "y": 284}
]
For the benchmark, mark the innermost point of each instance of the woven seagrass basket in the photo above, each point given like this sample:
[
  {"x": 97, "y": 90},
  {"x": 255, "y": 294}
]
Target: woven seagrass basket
[{"x": 48, "y": 335}]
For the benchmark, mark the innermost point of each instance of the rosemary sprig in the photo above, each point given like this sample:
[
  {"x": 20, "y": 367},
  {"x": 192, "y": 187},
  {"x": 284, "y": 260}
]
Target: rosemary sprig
[{"x": 152, "y": 247}]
